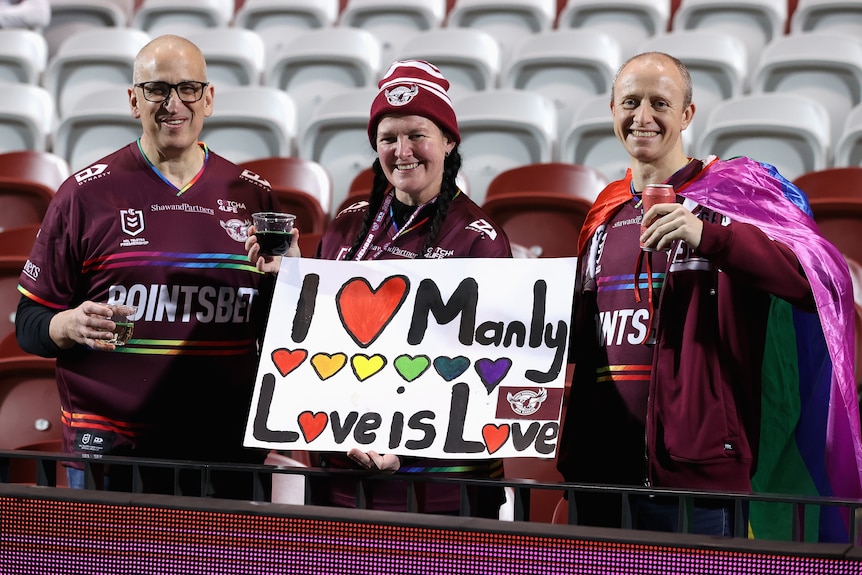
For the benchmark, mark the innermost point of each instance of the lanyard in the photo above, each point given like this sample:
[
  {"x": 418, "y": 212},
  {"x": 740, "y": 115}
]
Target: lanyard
[{"x": 377, "y": 227}]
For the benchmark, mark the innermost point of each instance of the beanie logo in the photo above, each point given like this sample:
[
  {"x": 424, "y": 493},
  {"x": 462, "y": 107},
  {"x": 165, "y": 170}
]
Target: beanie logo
[{"x": 401, "y": 95}]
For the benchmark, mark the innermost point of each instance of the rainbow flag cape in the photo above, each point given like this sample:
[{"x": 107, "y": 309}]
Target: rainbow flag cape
[{"x": 810, "y": 432}]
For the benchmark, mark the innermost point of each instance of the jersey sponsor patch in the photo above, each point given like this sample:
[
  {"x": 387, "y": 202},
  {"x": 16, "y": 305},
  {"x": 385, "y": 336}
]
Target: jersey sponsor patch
[
  {"x": 483, "y": 227},
  {"x": 93, "y": 172},
  {"x": 93, "y": 441},
  {"x": 254, "y": 178}
]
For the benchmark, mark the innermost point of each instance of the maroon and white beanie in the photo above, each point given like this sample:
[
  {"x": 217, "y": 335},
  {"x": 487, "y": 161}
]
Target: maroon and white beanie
[{"x": 413, "y": 88}]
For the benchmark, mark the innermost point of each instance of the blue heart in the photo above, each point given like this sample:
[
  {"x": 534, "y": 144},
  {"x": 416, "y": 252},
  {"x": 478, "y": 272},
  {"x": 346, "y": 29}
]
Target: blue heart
[{"x": 451, "y": 367}]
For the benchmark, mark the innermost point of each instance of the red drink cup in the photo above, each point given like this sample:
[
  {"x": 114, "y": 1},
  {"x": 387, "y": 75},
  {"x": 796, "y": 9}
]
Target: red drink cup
[{"x": 655, "y": 194}]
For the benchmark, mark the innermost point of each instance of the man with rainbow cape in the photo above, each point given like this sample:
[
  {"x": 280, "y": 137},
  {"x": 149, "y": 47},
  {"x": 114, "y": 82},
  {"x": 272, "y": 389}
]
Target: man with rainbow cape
[{"x": 728, "y": 367}]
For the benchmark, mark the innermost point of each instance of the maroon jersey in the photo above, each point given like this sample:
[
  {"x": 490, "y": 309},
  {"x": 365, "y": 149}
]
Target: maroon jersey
[
  {"x": 118, "y": 232},
  {"x": 625, "y": 285},
  {"x": 466, "y": 232}
]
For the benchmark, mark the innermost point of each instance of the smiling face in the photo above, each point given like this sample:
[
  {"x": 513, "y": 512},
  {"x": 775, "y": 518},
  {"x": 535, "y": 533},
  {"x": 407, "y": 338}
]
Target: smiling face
[
  {"x": 650, "y": 110},
  {"x": 170, "y": 128},
  {"x": 412, "y": 150}
]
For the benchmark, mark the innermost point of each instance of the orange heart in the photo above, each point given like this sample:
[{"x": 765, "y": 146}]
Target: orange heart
[
  {"x": 328, "y": 365},
  {"x": 364, "y": 311},
  {"x": 495, "y": 436},
  {"x": 286, "y": 361},
  {"x": 312, "y": 424}
]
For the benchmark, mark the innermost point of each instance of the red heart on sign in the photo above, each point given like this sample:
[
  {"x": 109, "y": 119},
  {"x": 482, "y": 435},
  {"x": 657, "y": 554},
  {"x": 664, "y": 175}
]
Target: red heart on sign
[
  {"x": 286, "y": 361},
  {"x": 495, "y": 436},
  {"x": 364, "y": 312},
  {"x": 312, "y": 424}
]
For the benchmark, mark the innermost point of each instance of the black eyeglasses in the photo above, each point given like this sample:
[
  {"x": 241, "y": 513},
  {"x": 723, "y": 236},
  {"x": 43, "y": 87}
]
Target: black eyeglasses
[{"x": 187, "y": 92}]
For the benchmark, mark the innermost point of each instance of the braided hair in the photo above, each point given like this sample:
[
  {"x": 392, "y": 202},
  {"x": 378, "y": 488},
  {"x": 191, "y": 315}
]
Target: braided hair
[{"x": 448, "y": 191}]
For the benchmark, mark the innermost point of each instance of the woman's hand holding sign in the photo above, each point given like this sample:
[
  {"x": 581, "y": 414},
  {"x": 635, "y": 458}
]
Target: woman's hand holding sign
[{"x": 372, "y": 460}]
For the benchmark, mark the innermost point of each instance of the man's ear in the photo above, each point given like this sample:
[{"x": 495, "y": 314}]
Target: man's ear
[{"x": 133, "y": 103}]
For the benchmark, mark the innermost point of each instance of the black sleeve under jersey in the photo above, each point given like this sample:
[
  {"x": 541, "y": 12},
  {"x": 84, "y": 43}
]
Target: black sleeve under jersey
[{"x": 32, "y": 322}]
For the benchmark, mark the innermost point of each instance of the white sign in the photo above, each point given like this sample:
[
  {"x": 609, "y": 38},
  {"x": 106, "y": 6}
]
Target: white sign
[{"x": 451, "y": 358}]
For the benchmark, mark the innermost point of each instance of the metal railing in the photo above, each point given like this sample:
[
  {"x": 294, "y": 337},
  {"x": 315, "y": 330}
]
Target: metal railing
[{"x": 260, "y": 476}]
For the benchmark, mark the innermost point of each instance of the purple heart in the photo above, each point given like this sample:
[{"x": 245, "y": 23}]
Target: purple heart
[
  {"x": 492, "y": 372},
  {"x": 451, "y": 367}
]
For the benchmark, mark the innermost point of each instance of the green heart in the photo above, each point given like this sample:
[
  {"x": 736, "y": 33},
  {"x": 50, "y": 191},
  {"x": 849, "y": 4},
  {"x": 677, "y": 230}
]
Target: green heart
[{"x": 411, "y": 367}]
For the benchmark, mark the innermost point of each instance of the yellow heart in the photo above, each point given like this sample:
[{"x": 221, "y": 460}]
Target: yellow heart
[
  {"x": 365, "y": 366},
  {"x": 328, "y": 365}
]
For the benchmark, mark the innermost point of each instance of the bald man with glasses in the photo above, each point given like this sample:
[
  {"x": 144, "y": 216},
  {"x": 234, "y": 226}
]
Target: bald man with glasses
[{"x": 160, "y": 225}]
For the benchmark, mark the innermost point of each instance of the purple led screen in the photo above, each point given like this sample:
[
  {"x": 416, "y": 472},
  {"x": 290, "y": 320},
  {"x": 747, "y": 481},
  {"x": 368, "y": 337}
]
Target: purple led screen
[{"x": 48, "y": 537}]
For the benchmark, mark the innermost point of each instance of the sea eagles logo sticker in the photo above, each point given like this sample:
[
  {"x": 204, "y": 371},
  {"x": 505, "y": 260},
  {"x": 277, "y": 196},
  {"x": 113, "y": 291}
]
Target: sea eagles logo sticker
[
  {"x": 132, "y": 221},
  {"x": 401, "y": 95},
  {"x": 526, "y": 402},
  {"x": 236, "y": 229}
]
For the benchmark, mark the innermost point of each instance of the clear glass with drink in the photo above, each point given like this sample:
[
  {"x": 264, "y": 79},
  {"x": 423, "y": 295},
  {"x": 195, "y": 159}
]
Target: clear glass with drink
[
  {"x": 274, "y": 232},
  {"x": 123, "y": 318},
  {"x": 655, "y": 194}
]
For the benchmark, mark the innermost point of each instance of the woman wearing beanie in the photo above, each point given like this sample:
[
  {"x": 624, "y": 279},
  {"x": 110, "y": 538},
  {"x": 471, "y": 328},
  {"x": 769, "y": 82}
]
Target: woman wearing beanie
[{"x": 415, "y": 210}]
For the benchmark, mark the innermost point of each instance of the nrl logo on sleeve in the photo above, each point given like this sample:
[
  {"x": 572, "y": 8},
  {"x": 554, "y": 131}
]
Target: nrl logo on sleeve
[{"x": 132, "y": 221}]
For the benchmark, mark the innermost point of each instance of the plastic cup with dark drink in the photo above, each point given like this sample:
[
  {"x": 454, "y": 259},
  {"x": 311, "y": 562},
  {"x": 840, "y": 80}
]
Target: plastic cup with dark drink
[
  {"x": 655, "y": 194},
  {"x": 274, "y": 231}
]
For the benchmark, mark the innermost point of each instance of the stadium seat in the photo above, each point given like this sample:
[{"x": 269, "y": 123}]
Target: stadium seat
[
  {"x": 590, "y": 140},
  {"x": 18, "y": 240},
  {"x": 469, "y": 59},
  {"x": 296, "y": 174},
  {"x": 301, "y": 15},
  {"x": 829, "y": 16},
  {"x": 101, "y": 124},
  {"x": 835, "y": 196},
  {"x": 564, "y": 65},
  {"x": 832, "y": 184},
  {"x": 157, "y": 17},
  {"x": 393, "y": 21},
  {"x": 754, "y": 22},
  {"x": 303, "y": 188},
  {"x": 789, "y": 131},
  {"x": 508, "y": 21},
  {"x": 10, "y": 271},
  {"x": 502, "y": 129},
  {"x": 336, "y": 136},
  {"x": 28, "y": 182},
  {"x": 27, "y": 117},
  {"x": 234, "y": 56},
  {"x": 563, "y": 178},
  {"x": 29, "y": 402},
  {"x": 823, "y": 66},
  {"x": 848, "y": 149},
  {"x": 630, "y": 22},
  {"x": 251, "y": 122},
  {"x": 23, "y": 55},
  {"x": 68, "y": 17},
  {"x": 94, "y": 61},
  {"x": 317, "y": 64},
  {"x": 546, "y": 223}
]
